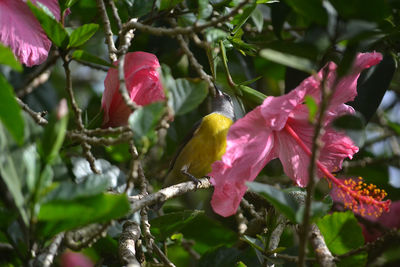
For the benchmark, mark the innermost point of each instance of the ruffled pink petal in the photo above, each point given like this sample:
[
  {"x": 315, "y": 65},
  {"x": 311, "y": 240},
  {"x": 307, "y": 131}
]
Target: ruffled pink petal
[
  {"x": 337, "y": 147},
  {"x": 249, "y": 149},
  {"x": 20, "y": 31},
  {"x": 143, "y": 84}
]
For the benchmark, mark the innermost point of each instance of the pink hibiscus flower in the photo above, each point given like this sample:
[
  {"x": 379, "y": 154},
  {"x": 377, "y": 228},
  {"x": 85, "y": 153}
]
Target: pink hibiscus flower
[
  {"x": 279, "y": 128},
  {"x": 20, "y": 30},
  {"x": 143, "y": 84}
]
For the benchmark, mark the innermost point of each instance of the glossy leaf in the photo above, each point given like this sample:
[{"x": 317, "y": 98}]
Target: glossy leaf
[
  {"x": 82, "y": 34},
  {"x": 279, "y": 199},
  {"x": 54, "y": 29},
  {"x": 144, "y": 121},
  {"x": 187, "y": 95},
  {"x": 342, "y": 233},
  {"x": 61, "y": 215},
  {"x": 241, "y": 19}
]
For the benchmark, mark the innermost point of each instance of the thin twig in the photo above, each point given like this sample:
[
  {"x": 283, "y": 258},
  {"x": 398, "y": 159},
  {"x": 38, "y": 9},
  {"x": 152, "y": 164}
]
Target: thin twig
[
  {"x": 162, "y": 256},
  {"x": 91, "y": 65},
  {"x": 138, "y": 202},
  {"x": 122, "y": 84},
  {"x": 276, "y": 236},
  {"x": 316, "y": 144},
  {"x": 84, "y": 237},
  {"x": 99, "y": 141},
  {"x": 112, "y": 51},
  {"x": 46, "y": 259},
  {"x": 36, "y": 116},
  {"x": 193, "y": 61},
  {"x": 182, "y": 30},
  {"x": 78, "y": 114}
]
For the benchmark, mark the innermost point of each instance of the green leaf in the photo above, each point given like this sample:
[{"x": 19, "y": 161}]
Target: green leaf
[
  {"x": 186, "y": 95},
  {"x": 350, "y": 122},
  {"x": 54, "y": 29},
  {"x": 205, "y": 9},
  {"x": 144, "y": 121},
  {"x": 61, "y": 215},
  {"x": 7, "y": 58},
  {"x": 10, "y": 112},
  {"x": 312, "y": 107},
  {"x": 70, "y": 3},
  {"x": 164, "y": 226},
  {"x": 251, "y": 95},
  {"x": 169, "y": 4},
  {"x": 342, "y": 233},
  {"x": 241, "y": 19},
  {"x": 82, "y": 34},
  {"x": 310, "y": 9},
  {"x": 84, "y": 56},
  {"x": 288, "y": 60},
  {"x": 279, "y": 199}
]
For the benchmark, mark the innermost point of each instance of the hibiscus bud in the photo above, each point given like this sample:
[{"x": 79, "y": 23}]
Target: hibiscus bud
[
  {"x": 72, "y": 259},
  {"x": 143, "y": 84}
]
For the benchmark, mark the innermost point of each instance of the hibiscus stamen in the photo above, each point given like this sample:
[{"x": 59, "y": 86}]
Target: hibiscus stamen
[{"x": 362, "y": 198}]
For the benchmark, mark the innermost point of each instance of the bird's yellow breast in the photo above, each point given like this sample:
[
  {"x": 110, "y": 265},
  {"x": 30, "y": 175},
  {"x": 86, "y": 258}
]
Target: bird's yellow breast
[{"x": 207, "y": 145}]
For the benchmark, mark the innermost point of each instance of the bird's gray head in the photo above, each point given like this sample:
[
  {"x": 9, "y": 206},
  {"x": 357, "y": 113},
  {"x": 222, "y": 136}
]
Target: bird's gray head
[{"x": 222, "y": 104}]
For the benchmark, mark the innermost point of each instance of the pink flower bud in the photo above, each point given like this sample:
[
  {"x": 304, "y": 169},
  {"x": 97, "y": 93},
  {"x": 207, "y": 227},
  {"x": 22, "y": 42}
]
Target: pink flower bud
[
  {"x": 73, "y": 259},
  {"x": 143, "y": 84}
]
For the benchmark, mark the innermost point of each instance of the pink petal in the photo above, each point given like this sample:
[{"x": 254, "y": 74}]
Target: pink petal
[
  {"x": 346, "y": 89},
  {"x": 337, "y": 147},
  {"x": 20, "y": 30},
  {"x": 74, "y": 259},
  {"x": 143, "y": 84},
  {"x": 276, "y": 110},
  {"x": 249, "y": 149},
  {"x": 294, "y": 159}
]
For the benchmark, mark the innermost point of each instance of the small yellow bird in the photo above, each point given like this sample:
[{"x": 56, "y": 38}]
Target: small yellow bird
[{"x": 205, "y": 145}]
